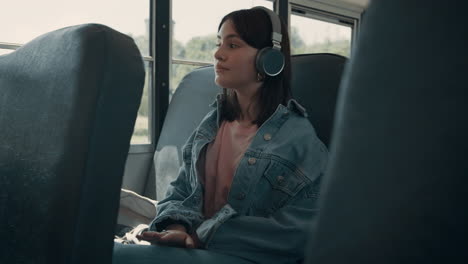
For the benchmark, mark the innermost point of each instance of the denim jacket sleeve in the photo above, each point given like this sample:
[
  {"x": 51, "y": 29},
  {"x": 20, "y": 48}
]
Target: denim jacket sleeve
[
  {"x": 279, "y": 238},
  {"x": 180, "y": 204}
]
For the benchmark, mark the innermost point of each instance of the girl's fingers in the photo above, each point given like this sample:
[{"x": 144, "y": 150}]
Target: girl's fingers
[
  {"x": 189, "y": 243},
  {"x": 169, "y": 238},
  {"x": 149, "y": 239},
  {"x": 151, "y": 236},
  {"x": 173, "y": 239},
  {"x": 151, "y": 233}
]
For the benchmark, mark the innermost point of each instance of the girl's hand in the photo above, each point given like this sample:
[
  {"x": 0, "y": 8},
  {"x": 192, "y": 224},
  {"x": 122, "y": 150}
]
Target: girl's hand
[{"x": 176, "y": 237}]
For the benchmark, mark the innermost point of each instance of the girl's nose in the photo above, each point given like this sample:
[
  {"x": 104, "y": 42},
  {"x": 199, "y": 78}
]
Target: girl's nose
[{"x": 218, "y": 55}]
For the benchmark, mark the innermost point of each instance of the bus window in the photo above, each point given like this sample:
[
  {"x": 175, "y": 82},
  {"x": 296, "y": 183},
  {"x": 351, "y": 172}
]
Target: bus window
[
  {"x": 5, "y": 51},
  {"x": 141, "y": 133},
  {"x": 313, "y": 34},
  {"x": 128, "y": 17},
  {"x": 194, "y": 26}
]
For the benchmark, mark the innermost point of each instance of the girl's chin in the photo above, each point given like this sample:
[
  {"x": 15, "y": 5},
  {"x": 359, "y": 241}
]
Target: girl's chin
[{"x": 221, "y": 82}]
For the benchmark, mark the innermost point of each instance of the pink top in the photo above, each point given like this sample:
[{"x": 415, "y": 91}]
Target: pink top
[{"x": 222, "y": 157}]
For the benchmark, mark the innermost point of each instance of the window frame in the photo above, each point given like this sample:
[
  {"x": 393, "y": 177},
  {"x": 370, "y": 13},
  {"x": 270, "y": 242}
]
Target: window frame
[
  {"x": 152, "y": 60},
  {"x": 325, "y": 10},
  {"x": 327, "y": 17},
  {"x": 9, "y": 45},
  {"x": 329, "y": 11},
  {"x": 160, "y": 59}
]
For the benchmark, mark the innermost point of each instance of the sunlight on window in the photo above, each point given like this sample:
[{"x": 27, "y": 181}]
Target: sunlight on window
[
  {"x": 141, "y": 134},
  {"x": 310, "y": 35},
  {"x": 5, "y": 51},
  {"x": 39, "y": 17},
  {"x": 195, "y": 19},
  {"x": 194, "y": 31}
]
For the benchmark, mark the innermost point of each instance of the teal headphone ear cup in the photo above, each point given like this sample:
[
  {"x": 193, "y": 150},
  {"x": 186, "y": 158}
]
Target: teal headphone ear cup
[{"x": 269, "y": 61}]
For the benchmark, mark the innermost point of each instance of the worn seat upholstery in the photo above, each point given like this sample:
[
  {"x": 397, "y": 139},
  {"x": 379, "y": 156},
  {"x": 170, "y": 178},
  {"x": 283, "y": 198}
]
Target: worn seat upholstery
[
  {"x": 315, "y": 82},
  {"x": 68, "y": 104},
  {"x": 395, "y": 191}
]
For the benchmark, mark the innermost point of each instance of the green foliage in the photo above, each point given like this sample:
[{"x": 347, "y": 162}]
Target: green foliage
[
  {"x": 202, "y": 48},
  {"x": 144, "y": 105},
  {"x": 295, "y": 39},
  {"x": 197, "y": 49},
  {"x": 178, "y": 49},
  {"x": 142, "y": 43},
  {"x": 298, "y": 46},
  {"x": 340, "y": 47}
]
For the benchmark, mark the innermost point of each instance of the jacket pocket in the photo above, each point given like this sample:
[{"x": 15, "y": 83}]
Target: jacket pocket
[
  {"x": 276, "y": 187},
  {"x": 283, "y": 179}
]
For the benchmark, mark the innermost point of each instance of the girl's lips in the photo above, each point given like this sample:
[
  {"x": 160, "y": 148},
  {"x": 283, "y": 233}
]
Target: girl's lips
[{"x": 220, "y": 68}]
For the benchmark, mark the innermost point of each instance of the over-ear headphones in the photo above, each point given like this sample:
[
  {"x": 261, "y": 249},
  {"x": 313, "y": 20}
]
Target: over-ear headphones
[{"x": 270, "y": 60}]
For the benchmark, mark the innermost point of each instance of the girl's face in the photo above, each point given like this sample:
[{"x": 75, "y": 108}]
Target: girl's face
[{"x": 234, "y": 60}]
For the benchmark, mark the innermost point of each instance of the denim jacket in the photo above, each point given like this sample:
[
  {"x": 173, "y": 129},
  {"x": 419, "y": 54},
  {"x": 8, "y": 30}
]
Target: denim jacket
[{"x": 272, "y": 202}]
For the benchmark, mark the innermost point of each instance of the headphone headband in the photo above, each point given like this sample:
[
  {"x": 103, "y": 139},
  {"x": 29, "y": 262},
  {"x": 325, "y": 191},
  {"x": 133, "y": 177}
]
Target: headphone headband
[
  {"x": 275, "y": 25},
  {"x": 270, "y": 60}
]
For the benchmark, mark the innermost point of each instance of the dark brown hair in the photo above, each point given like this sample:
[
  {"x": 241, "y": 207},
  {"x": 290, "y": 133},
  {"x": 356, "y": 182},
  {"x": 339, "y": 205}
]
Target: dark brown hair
[{"x": 254, "y": 27}]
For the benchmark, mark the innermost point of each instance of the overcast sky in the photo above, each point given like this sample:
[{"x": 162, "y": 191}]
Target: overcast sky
[{"x": 22, "y": 20}]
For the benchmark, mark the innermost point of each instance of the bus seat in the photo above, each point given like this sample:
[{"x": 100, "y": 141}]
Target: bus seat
[
  {"x": 395, "y": 190},
  {"x": 315, "y": 82},
  {"x": 68, "y": 104},
  {"x": 189, "y": 104}
]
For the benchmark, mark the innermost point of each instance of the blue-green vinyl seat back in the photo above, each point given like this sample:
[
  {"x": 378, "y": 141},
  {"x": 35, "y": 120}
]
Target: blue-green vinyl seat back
[
  {"x": 68, "y": 104},
  {"x": 315, "y": 82},
  {"x": 395, "y": 189}
]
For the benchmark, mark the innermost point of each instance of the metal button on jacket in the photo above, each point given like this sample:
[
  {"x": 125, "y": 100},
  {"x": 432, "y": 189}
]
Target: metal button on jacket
[
  {"x": 252, "y": 161},
  {"x": 280, "y": 180},
  {"x": 267, "y": 136}
]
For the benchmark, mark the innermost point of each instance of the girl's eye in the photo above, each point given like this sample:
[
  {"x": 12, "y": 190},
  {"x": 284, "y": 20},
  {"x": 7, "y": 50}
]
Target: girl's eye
[
  {"x": 218, "y": 45},
  {"x": 233, "y": 45}
]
